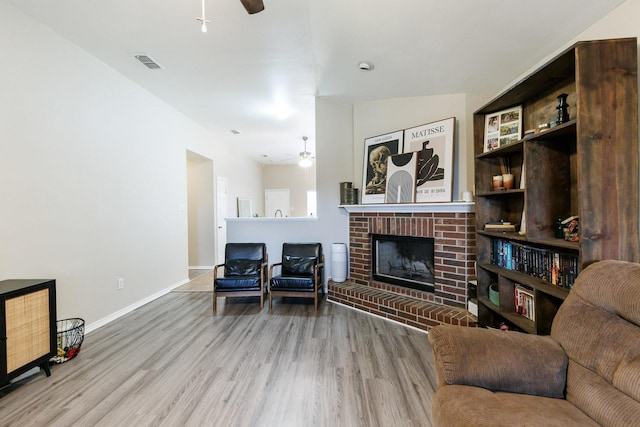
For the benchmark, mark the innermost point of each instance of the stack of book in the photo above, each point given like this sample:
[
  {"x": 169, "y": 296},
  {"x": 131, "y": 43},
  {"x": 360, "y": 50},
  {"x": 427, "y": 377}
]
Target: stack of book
[{"x": 499, "y": 226}]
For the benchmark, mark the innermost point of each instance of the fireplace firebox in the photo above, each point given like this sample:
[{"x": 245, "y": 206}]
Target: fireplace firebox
[{"x": 403, "y": 260}]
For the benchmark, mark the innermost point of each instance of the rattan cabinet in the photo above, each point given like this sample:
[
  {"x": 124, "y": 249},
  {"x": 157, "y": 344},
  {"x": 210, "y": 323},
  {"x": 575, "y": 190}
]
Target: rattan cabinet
[{"x": 27, "y": 326}]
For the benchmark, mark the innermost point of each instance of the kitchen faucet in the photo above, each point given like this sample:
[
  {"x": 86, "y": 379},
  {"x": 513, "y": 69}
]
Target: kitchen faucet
[{"x": 276, "y": 214}]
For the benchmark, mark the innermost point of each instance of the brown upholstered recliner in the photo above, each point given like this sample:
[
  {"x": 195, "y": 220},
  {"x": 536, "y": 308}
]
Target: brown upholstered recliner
[
  {"x": 301, "y": 272},
  {"x": 587, "y": 372},
  {"x": 245, "y": 272}
]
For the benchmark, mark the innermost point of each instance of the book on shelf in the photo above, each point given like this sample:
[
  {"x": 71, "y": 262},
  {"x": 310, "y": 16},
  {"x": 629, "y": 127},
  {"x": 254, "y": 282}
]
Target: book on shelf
[
  {"x": 556, "y": 268},
  {"x": 525, "y": 302}
]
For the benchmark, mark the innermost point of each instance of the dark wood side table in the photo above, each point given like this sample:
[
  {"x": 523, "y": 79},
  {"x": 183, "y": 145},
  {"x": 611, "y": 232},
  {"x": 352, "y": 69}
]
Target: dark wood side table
[{"x": 28, "y": 332}]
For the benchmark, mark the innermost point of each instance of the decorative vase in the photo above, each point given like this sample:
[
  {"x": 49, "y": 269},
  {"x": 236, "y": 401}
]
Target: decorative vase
[
  {"x": 344, "y": 190},
  {"x": 507, "y": 181},
  {"x": 563, "y": 109},
  {"x": 494, "y": 294}
]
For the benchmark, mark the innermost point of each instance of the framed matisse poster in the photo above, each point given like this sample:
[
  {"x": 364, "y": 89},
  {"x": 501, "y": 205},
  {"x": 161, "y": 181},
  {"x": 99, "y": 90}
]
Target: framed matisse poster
[
  {"x": 377, "y": 151},
  {"x": 434, "y": 143},
  {"x": 502, "y": 128}
]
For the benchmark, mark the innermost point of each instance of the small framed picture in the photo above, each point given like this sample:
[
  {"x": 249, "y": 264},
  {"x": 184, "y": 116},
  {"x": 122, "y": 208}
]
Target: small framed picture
[{"x": 502, "y": 128}]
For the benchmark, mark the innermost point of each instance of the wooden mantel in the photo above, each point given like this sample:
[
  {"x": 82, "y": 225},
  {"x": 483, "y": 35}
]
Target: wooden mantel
[{"x": 454, "y": 207}]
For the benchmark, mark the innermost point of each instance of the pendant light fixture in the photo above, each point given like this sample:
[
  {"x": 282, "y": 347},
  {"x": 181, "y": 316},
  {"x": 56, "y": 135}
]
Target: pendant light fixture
[
  {"x": 204, "y": 20},
  {"x": 305, "y": 156}
]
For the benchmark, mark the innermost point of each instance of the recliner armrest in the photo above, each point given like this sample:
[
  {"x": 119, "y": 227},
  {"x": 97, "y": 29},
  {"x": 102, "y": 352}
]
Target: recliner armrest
[{"x": 499, "y": 360}]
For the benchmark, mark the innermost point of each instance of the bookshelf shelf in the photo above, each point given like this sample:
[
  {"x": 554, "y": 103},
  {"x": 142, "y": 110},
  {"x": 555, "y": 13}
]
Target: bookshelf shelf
[
  {"x": 515, "y": 236},
  {"x": 503, "y": 193},
  {"x": 565, "y": 173},
  {"x": 531, "y": 281},
  {"x": 513, "y": 319}
]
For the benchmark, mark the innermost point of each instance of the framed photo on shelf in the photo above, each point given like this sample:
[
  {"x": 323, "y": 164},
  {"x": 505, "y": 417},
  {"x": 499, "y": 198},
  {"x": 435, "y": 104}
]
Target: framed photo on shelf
[
  {"x": 502, "y": 128},
  {"x": 377, "y": 151},
  {"x": 434, "y": 143},
  {"x": 244, "y": 207}
]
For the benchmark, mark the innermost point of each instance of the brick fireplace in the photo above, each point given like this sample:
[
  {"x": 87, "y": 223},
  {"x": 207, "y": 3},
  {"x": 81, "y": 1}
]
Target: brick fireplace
[{"x": 452, "y": 225}]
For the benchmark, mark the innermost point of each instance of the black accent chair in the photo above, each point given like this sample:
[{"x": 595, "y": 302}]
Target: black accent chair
[
  {"x": 301, "y": 272},
  {"x": 245, "y": 272}
]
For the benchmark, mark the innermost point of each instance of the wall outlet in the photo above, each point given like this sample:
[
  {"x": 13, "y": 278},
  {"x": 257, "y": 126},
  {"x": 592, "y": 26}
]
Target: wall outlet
[{"x": 121, "y": 283}]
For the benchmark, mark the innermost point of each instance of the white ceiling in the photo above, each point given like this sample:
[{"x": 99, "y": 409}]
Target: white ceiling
[{"x": 259, "y": 74}]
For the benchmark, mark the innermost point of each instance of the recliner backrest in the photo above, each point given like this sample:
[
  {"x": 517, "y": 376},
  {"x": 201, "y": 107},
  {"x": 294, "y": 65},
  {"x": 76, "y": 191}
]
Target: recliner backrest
[
  {"x": 244, "y": 259},
  {"x": 598, "y": 326},
  {"x": 300, "y": 259}
]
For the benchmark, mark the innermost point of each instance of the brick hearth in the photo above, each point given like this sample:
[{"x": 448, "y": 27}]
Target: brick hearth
[{"x": 454, "y": 256}]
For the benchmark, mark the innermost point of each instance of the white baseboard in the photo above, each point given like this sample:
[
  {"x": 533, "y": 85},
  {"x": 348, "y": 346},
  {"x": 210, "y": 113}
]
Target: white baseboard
[
  {"x": 201, "y": 267},
  {"x": 110, "y": 318}
]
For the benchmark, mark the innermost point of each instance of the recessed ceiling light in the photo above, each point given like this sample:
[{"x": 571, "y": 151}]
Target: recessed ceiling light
[{"x": 365, "y": 66}]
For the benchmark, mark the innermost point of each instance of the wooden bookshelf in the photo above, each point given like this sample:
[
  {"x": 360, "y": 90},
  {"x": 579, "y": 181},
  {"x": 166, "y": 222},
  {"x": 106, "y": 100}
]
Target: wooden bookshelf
[{"x": 587, "y": 166}]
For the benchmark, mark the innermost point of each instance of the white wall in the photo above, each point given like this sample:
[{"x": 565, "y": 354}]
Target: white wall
[
  {"x": 244, "y": 175},
  {"x": 340, "y": 133},
  {"x": 621, "y": 22},
  {"x": 383, "y": 116},
  {"x": 334, "y": 134},
  {"x": 298, "y": 180},
  {"x": 93, "y": 175}
]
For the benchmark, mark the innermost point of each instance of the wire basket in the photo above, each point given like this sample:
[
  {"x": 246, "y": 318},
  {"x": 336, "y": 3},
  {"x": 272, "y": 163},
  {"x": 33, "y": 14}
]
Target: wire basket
[{"x": 70, "y": 337}]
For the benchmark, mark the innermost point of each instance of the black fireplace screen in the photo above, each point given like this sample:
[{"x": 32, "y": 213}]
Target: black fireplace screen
[{"x": 403, "y": 260}]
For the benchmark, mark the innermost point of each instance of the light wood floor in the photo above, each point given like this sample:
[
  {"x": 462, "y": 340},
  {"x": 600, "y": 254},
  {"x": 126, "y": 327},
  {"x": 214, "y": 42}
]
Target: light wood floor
[{"x": 173, "y": 363}]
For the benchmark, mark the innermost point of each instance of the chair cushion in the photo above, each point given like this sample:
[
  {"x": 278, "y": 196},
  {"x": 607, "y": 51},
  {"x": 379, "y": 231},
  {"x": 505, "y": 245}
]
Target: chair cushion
[
  {"x": 244, "y": 259},
  {"x": 298, "y": 265},
  {"x": 237, "y": 283},
  {"x": 242, "y": 267},
  {"x": 292, "y": 283},
  {"x": 461, "y": 405}
]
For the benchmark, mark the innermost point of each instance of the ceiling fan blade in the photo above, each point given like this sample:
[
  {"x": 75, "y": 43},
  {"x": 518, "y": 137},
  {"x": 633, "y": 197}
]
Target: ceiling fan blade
[{"x": 253, "y": 6}]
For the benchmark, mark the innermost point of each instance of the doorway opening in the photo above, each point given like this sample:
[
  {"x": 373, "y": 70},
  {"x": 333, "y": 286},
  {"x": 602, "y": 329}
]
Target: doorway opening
[{"x": 201, "y": 214}]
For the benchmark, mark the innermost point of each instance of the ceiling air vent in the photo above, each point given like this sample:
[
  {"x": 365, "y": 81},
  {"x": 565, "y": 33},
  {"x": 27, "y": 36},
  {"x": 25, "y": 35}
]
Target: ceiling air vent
[{"x": 148, "y": 62}]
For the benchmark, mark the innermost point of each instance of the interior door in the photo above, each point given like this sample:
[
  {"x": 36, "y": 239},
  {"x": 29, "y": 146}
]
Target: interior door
[
  {"x": 276, "y": 202},
  {"x": 222, "y": 196}
]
